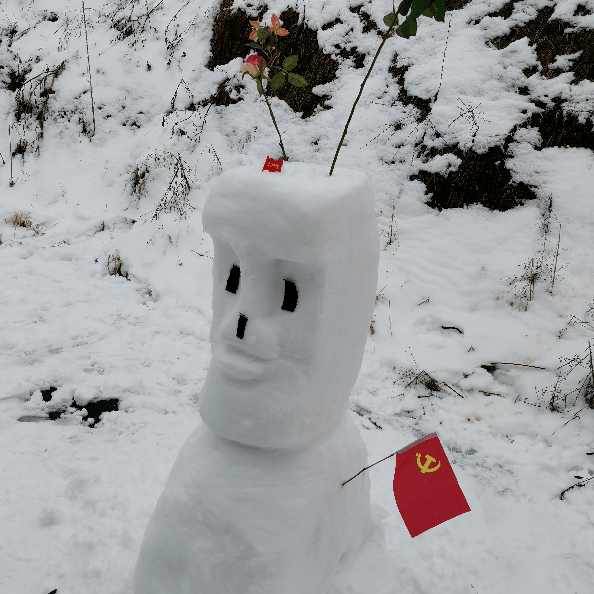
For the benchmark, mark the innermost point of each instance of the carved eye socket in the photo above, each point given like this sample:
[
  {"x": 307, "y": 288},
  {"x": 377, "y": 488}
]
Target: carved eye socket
[
  {"x": 233, "y": 280},
  {"x": 291, "y": 295}
]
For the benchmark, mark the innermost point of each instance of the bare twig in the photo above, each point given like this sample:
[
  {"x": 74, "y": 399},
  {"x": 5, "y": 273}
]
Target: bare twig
[
  {"x": 383, "y": 459},
  {"x": 452, "y": 389},
  {"x": 591, "y": 365},
  {"x": 518, "y": 364},
  {"x": 386, "y": 36},
  {"x": 274, "y": 122},
  {"x": 89, "y": 66},
  {"x": 443, "y": 61},
  {"x": 11, "y": 182},
  {"x": 580, "y": 484},
  {"x": 48, "y": 93},
  {"x": 556, "y": 256},
  {"x": 572, "y": 418}
]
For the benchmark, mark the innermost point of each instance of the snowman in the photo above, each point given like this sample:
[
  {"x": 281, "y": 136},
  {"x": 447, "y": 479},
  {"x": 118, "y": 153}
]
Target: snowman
[{"x": 254, "y": 503}]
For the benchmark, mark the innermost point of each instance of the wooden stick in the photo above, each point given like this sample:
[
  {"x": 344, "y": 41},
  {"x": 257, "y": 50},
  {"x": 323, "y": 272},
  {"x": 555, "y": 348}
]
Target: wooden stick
[
  {"x": 410, "y": 445},
  {"x": 344, "y": 133},
  {"x": 519, "y": 364},
  {"x": 89, "y": 66},
  {"x": 274, "y": 122}
]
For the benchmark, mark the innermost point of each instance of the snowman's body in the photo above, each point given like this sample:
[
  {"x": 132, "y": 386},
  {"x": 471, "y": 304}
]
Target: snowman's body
[
  {"x": 283, "y": 519},
  {"x": 254, "y": 503}
]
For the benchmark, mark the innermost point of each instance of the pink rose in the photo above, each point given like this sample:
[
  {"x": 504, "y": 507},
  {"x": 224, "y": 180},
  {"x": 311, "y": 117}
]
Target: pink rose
[{"x": 252, "y": 65}]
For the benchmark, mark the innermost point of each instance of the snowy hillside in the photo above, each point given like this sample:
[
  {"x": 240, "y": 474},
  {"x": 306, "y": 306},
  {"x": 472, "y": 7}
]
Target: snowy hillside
[{"x": 115, "y": 125}]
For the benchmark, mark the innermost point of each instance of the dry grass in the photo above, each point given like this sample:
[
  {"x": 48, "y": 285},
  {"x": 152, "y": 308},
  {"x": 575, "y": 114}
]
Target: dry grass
[
  {"x": 544, "y": 268},
  {"x": 21, "y": 219},
  {"x": 138, "y": 179},
  {"x": 176, "y": 197},
  {"x": 557, "y": 397},
  {"x": 31, "y": 109},
  {"x": 115, "y": 266}
]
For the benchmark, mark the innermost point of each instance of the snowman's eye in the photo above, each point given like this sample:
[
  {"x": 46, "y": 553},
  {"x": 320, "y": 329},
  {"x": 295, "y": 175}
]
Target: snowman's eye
[
  {"x": 233, "y": 280},
  {"x": 291, "y": 294}
]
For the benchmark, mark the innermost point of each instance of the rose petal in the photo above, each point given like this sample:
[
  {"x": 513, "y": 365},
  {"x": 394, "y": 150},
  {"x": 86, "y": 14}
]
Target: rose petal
[{"x": 249, "y": 68}]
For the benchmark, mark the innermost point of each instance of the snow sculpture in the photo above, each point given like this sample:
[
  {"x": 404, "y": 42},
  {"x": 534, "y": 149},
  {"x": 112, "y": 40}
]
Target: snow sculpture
[{"x": 254, "y": 502}]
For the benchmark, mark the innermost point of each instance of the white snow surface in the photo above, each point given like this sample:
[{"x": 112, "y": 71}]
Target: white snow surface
[{"x": 74, "y": 500}]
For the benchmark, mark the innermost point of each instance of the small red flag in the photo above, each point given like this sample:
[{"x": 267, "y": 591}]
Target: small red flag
[
  {"x": 425, "y": 486},
  {"x": 272, "y": 164}
]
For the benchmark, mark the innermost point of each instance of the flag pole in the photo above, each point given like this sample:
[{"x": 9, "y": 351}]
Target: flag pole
[{"x": 400, "y": 451}]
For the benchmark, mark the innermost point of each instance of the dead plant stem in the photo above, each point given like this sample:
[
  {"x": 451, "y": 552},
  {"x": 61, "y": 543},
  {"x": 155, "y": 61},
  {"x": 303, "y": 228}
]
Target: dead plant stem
[
  {"x": 387, "y": 35},
  {"x": 285, "y": 158},
  {"x": 591, "y": 366},
  {"x": 443, "y": 61},
  {"x": 11, "y": 182},
  {"x": 89, "y": 66},
  {"x": 580, "y": 484},
  {"x": 48, "y": 93},
  {"x": 556, "y": 256}
]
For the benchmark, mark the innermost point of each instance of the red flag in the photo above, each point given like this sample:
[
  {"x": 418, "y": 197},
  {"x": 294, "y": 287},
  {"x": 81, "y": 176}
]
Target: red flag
[
  {"x": 272, "y": 164},
  {"x": 425, "y": 486}
]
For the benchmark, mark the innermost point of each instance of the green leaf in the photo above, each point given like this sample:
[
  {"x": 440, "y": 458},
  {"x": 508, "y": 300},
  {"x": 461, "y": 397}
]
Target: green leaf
[
  {"x": 254, "y": 45},
  {"x": 296, "y": 80},
  {"x": 263, "y": 34},
  {"x": 408, "y": 28},
  {"x": 418, "y": 6},
  {"x": 404, "y": 7},
  {"x": 290, "y": 62},
  {"x": 437, "y": 7},
  {"x": 427, "y": 12},
  {"x": 278, "y": 80},
  {"x": 390, "y": 19},
  {"x": 259, "y": 85}
]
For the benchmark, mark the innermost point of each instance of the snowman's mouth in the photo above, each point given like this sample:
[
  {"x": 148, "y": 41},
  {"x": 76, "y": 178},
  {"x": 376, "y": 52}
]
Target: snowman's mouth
[{"x": 239, "y": 364}]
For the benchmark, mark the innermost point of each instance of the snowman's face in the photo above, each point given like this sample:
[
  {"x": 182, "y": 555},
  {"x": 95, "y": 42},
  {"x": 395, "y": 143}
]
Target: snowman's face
[
  {"x": 265, "y": 343},
  {"x": 264, "y": 314},
  {"x": 294, "y": 275}
]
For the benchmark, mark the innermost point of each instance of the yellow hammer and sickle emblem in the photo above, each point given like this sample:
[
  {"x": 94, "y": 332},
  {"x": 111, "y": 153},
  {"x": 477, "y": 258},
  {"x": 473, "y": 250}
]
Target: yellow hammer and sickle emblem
[{"x": 428, "y": 460}]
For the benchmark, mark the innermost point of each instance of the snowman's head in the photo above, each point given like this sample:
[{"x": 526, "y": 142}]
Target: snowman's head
[{"x": 295, "y": 274}]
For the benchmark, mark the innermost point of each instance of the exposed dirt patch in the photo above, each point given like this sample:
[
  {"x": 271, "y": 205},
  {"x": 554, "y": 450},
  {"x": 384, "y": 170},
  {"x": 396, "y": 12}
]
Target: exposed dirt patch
[
  {"x": 550, "y": 41},
  {"x": 484, "y": 178},
  {"x": 368, "y": 23},
  {"x": 13, "y": 80},
  {"x": 230, "y": 34},
  {"x": 93, "y": 410},
  {"x": 423, "y": 105},
  {"x": 560, "y": 128},
  {"x": 480, "y": 179},
  {"x": 456, "y": 4}
]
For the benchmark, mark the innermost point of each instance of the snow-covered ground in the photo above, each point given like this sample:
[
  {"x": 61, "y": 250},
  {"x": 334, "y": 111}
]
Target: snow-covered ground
[{"x": 74, "y": 499}]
